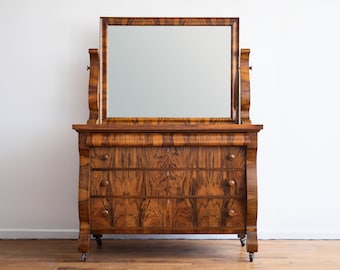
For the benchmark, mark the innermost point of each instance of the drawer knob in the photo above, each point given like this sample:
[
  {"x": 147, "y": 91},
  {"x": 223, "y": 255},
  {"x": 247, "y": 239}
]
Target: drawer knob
[
  {"x": 105, "y": 157},
  {"x": 105, "y": 212},
  {"x": 231, "y": 213},
  {"x": 231, "y": 183},
  {"x": 231, "y": 157},
  {"x": 104, "y": 183}
]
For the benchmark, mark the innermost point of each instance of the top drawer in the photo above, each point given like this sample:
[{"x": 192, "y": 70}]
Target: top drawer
[{"x": 167, "y": 157}]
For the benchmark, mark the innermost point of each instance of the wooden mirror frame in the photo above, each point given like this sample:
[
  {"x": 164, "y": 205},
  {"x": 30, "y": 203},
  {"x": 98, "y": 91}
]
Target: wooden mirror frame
[{"x": 101, "y": 70}]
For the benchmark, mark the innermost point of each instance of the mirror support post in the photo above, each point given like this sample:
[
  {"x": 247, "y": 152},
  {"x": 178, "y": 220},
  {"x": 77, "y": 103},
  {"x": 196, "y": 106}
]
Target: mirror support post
[
  {"x": 245, "y": 86},
  {"x": 94, "y": 87}
]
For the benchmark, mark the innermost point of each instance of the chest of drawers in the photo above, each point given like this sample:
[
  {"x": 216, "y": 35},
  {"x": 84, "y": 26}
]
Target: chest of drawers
[{"x": 167, "y": 180}]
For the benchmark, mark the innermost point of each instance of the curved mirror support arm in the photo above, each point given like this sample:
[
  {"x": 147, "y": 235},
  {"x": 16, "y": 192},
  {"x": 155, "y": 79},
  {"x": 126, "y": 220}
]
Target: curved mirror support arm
[
  {"x": 93, "y": 87},
  {"x": 245, "y": 86}
]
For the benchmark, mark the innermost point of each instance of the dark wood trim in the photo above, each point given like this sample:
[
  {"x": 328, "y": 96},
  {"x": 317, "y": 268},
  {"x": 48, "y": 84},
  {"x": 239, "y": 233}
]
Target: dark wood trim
[{"x": 165, "y": 128}]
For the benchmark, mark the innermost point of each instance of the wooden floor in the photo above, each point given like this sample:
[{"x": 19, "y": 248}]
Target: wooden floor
[{"x": 169, "y": 254}]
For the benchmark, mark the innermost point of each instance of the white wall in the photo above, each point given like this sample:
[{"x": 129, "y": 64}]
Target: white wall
[{"x": 43, "y": 87}]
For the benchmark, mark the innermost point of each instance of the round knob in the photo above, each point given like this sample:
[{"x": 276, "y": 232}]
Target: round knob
[
  {"x": 105, "y": 157},
  {"x": 104, "y": 183},
  {"x": 231, "y": 183},
  {"x": 105, "y": 212},
  {"x": 231, "y": 213},
  {"x": 231, "y": 156}
]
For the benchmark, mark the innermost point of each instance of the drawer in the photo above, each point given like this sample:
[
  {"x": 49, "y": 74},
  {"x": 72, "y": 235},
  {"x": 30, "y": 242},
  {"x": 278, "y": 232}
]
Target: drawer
[
  {"x": 125, "y": 213},
  {"x": 168, "y": 183},
  {"x": 143, "y": 157},
  {"x": 167, "y": 157}
]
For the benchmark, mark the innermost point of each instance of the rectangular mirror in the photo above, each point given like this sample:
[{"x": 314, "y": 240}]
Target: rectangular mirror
[{"x": 169, "y": 68}]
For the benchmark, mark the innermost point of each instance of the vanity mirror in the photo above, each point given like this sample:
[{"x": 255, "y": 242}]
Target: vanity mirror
[
  {"x": 169, "y": 68},
  {"x": 169, "y": 147}
]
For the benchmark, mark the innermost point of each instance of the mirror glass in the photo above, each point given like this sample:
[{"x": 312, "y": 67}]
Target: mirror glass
[{"x": 168, "y": 71}]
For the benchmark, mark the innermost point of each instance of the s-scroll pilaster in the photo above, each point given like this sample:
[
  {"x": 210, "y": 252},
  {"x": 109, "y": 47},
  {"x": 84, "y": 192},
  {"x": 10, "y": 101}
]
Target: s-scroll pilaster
[
  {"x": 252, "y": 244},
  {"x": 83, "y": 196}
]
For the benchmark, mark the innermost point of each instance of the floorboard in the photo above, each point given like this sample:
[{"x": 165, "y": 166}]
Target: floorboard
[{"x": 170, "y": 254}]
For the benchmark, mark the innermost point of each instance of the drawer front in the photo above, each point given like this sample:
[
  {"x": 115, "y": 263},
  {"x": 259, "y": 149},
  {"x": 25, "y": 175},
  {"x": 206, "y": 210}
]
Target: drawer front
[
  {"x": 184, "y": 214},
  {"x": 167, "y": 157},
  {"x": 143, "y": 157},
  {"x": 168, "y": 183}
]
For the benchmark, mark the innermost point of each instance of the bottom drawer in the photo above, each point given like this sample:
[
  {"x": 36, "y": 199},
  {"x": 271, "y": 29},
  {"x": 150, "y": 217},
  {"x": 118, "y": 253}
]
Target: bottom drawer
[{"x": 179, "y": 213}]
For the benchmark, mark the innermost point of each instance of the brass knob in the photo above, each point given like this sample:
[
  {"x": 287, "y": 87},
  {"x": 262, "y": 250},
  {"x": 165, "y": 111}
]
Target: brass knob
[
  {"x": 104, "y": 183},
  {"x": 231, "y": 156},
  {"x": 231, "y": 183},
  {"x": 231, "y": 213},
  {"x": 105, "y": 157},
  {"x": 105, "y": 212}
]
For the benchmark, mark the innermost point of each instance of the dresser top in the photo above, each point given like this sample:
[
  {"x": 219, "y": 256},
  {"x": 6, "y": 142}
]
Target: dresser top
[{"x": 166, "y": 128}]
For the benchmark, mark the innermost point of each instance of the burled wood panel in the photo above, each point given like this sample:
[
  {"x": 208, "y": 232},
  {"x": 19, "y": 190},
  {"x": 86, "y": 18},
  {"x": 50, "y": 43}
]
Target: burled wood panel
[
  {"x": 172, "y": 183},
  {"x": 111, "y": 212},
  {"x": 167, "y": 157},
  {"x": 117, "y": 183},
  {"x": 219, "y": 183},
  {"x": 126, "y": 213}
]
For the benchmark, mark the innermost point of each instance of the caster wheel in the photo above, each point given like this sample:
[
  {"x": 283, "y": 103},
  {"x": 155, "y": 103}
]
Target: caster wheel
[
  {"x": 83, "y": 257},
  {"x": 98, "y": 238},
  {"x": 243, "y": 241},
  {"x": 99, "y": 242},
  {"x": 251, "y": 256}
]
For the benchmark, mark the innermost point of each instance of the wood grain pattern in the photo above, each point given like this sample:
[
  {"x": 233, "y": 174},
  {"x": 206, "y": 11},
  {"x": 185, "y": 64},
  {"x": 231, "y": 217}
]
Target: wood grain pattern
[
  {"x": 245, "y": 86},
  {"x": 83, "y": 196},
  {"x": 252, "y": 195}
]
